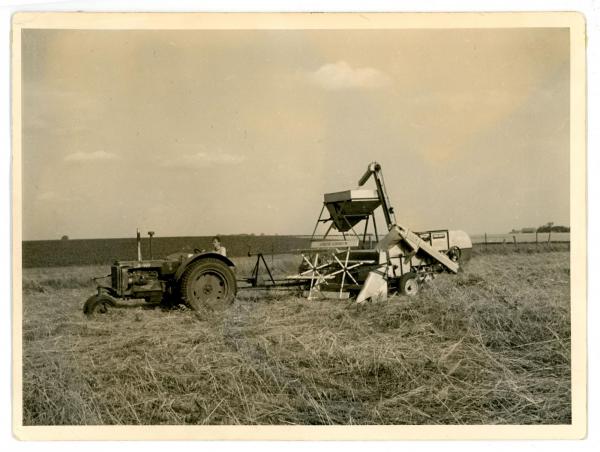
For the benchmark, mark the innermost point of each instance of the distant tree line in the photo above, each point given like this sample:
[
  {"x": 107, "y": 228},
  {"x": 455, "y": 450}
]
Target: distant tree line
[{"x": 548, "y": 227}]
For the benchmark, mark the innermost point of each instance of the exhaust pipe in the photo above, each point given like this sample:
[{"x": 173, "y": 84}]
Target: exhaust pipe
[
  {"x": 150, "y": 234},
  {"x": 139, "y": 245}
]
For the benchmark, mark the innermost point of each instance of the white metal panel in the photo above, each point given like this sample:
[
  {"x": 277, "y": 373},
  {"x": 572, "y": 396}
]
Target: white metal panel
[
  {"x": 351, "y": 195},
  {"x": 460, "y": 239}
]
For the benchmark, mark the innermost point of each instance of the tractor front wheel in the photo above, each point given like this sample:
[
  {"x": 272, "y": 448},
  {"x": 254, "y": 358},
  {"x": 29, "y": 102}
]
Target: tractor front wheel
[
  {"x": 208, "y": 283},
  {"x": 98, "y": 304},
  {"x": 409, "y": 284}
]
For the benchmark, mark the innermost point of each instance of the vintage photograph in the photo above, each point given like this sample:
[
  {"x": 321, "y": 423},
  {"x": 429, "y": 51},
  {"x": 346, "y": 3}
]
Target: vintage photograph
[{"x": 297, "y": 220}]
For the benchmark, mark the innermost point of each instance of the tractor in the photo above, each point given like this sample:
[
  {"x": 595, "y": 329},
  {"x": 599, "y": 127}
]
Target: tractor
[{"x": 202, "y": 280}]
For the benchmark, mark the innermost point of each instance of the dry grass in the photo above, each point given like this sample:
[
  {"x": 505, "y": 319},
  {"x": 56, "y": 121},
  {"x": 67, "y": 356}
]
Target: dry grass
[{"x": 488, "y": 346}]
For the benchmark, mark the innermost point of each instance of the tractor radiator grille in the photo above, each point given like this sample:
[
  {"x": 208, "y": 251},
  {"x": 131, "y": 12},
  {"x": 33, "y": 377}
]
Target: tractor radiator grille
[{"x": 115, "y": 274}]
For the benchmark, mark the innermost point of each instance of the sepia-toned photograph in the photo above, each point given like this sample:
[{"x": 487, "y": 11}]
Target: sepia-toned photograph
[{"x": 299, "y": 220}]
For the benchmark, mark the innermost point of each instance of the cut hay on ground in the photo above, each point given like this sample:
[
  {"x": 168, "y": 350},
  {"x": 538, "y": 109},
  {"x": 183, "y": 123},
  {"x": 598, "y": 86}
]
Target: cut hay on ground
[{"x": 488, "y": 346}]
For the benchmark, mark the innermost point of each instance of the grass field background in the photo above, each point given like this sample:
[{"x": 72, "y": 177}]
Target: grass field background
[
  {"x": 490, "y": 345},
  {"x": 57, "y": 253}
]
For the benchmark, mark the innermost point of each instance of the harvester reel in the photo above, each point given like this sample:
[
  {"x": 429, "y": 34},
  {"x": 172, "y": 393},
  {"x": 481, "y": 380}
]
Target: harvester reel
[
  {"x": 314, "y": 273},
  {"x": 208, "y": 283}
]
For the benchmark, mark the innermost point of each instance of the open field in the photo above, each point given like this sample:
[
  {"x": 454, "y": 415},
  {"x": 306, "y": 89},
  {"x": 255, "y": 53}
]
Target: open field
[
  {"x": 490, "y": 345},
  {"x": 57, "y": 253}
]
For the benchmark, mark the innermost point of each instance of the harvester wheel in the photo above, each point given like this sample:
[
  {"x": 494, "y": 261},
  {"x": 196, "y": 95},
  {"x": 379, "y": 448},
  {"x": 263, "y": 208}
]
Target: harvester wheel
[
  {"x": 208, "y": 283},
  {"x": 454, "y": 253},
  {"x": 98, "y": 304},
  {"x": 409, "y": 284}
]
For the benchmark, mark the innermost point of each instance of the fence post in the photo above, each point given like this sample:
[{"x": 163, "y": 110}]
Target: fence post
[
  {"x": 536, "y": 237},
  {"x": 485, "y": 240},
  {"x": 515, "y": 241}
]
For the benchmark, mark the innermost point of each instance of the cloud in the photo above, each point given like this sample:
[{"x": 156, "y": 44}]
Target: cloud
[
  {"x": 343, "y": 76},
  {"x": 90, "y": 156},
  {"x": 204, "y": 160}
]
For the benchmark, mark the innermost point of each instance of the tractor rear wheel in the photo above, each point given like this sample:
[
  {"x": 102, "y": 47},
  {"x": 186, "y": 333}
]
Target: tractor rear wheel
[
  {"x": 409, "y": 284},
  {"x": 208, "y": 283},
  {"x": 98, "y": 304}
]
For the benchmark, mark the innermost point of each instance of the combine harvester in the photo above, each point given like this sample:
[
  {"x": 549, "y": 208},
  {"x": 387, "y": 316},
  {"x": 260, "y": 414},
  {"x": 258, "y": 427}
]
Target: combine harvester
[
  {"x": 400, "y": 261},
  {"x": 333, "y": 266}
]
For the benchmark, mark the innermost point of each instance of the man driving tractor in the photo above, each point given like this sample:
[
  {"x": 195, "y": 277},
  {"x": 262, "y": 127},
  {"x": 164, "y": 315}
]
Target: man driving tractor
[{"x": 217, "y": 247}]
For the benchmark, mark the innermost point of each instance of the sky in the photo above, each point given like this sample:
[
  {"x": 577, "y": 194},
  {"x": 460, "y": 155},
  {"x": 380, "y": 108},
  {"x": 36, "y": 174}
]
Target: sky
[{"x": 242, "y": 131}]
